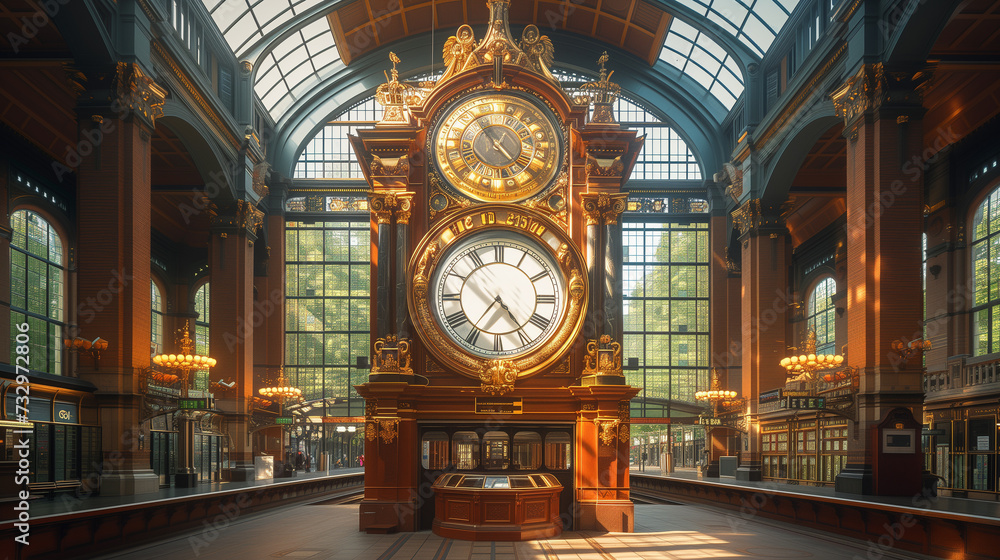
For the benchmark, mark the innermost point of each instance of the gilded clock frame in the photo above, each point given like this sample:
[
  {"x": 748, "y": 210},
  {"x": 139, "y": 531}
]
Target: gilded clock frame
[
  {"x": 525, "y": 96},
  {"x": 458, "y": 225}
]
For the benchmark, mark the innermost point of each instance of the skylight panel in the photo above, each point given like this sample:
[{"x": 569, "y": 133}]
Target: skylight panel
[
  {"x": 704, "y": 60},
  {"x": 296, "y": 65},
  {"x": 244, "y": 22},
  {"x": 754, "y": 22}
]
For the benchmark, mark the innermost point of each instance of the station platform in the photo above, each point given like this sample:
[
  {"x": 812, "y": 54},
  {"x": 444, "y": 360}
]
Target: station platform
[
  {"x": 669, "y": 532},
  {"x": 307, "y": 517}
]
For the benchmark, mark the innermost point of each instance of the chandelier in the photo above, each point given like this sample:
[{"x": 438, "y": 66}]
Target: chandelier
[
  {"x": 805, "y": 365},
  {"x": 281, "y": 390},
  {"x": 715, "y": 393},
  {"x": 185, "y": 361}
]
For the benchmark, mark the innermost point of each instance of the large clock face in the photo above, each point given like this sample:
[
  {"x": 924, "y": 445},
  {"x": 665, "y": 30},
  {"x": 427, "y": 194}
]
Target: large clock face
[
  {"x": 498, "y": 295},
  {"x": 498, "y": 147},
  {"x": 497, "y": 283}
]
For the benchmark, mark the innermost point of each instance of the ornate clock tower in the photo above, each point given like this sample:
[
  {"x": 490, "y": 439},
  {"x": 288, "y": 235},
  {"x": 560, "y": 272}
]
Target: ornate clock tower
[{"x": 496, "y": 407}]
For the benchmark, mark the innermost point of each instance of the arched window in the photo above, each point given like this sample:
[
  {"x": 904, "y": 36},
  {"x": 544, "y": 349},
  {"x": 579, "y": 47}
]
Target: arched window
[
  {"x": 201, "y": 307},
  {"x": 821, "y": 317},
  {"x": 37, "y": 289},
  {"x": 986, "y": 276},
  {"x": 156, "y": 322}
]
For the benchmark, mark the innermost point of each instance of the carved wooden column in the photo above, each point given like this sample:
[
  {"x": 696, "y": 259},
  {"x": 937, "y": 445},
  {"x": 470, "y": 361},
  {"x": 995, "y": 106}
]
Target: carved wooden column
[
  {"x": 381, "y": 209},
  {"x": 604, "y": 264}
]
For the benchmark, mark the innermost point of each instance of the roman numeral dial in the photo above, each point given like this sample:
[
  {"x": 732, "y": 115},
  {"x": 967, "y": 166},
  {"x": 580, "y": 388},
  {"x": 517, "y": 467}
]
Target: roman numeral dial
[
  {"x": 498, "y": 294},
  {"x": 498, "y": 147}
]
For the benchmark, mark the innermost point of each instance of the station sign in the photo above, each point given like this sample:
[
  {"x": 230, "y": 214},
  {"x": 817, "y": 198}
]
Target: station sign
[
  {"x": 192, "y": 404},
  {"x": 498, "y": 405},
  {"x": 809, "y": 403},
  {"x": 284, "y": 420}
]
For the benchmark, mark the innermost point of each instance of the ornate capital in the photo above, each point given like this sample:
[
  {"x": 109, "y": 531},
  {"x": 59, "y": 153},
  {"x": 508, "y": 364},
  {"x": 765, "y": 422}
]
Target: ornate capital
[
  {"x": 243, "y": 215},
  {"x": 388, "y": 429},
  {"x": 860, "y": 93},
  {"x": 752, "y": 217},
  {"x": 604, "y": 358},
  {"x": 138, "y": 92},
  {"x": 498, "y": 377},
  {"x": 607, "y": 430},
  {"x": 384, "y": 204},
  {"x": 603, "y": 208},
  {"x": 392, "y": 355}
]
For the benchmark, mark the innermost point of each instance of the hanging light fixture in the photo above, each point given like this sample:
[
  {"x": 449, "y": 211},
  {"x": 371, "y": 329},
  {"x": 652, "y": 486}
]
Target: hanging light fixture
[
  {"x": 806, "y": 364},
  {"x": 186, "y": 361},
  {"x": 281, "y": 390},
  {"x": 715, "y": 393}
]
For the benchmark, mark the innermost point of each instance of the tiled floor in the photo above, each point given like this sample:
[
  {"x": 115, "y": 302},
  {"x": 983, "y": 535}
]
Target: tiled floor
[{"x": 674, "y": 532}]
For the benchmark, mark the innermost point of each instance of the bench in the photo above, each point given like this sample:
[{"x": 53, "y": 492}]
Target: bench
[{"x": 50, "y": 488}]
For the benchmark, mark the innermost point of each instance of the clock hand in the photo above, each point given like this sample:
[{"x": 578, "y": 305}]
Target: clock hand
[
  {"x": 507, "y": 309},
  {"x": 499, "y": 146},
  {"x": 485, "y": 312}
]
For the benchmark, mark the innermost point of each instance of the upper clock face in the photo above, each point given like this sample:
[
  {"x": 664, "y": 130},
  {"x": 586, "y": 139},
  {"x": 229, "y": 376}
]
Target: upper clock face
[
  {"x": 498, "y": 147},
  {"x": 498, "y": 294}
]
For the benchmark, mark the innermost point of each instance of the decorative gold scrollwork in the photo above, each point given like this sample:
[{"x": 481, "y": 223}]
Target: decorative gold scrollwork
[
  {"x": 604, "y": 358},
  {"x": 603, "y": 208},
  {"x": 392, "y": 355},
  {"x": 371, "y": 430},
  {"x": 388, "y": 429},
  {"x": 498, "y": 377},
  {"x": 607, "y": 430},
  {"x": 623, "y": 432}
]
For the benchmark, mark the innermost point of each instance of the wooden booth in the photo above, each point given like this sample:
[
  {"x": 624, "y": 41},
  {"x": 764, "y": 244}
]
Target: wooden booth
[{"x": 496, "y": 297}]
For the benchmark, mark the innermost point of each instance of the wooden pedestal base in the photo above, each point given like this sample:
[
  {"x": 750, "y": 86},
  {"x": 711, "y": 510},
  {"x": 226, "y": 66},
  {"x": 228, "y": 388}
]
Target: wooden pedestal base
[
  {"x": 482, "y": 514},
  {"x": 386, "y": 517},
  {"x": 616, "y": 516}
]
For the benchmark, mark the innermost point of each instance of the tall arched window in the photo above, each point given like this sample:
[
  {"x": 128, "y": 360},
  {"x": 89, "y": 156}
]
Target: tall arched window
[
  {"x": 156, "y": 323},
  {"x": 201, "y": 307},
  {"x": 821, "y": 316},
  {"x": 37, "y": 288},
  {"x": 986, "y": 275}
]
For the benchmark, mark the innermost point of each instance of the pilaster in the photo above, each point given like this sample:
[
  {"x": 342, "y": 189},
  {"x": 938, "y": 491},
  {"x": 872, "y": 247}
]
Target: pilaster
[
  {"x": 231, "y": 255},
  {"x": 114, "y": 244},
  {"x": 766, "y": 251},
  {"x": 885, "y": 183}
]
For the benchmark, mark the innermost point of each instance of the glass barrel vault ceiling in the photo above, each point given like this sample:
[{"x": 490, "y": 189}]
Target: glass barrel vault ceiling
[{"x": 307, "y": 57}]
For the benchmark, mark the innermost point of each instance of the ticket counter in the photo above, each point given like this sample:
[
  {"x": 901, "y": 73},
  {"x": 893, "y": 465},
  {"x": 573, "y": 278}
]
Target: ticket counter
[{"x": 491, "y": 507}]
